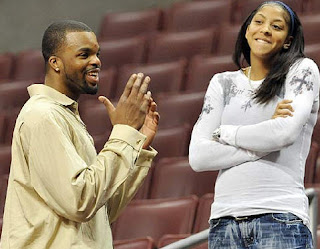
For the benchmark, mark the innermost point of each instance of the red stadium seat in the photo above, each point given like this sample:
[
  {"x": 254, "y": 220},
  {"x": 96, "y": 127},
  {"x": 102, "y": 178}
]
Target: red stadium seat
[
  {"x": 123, "y": 51},
  {"x": 227, "y": 40},
  {"x": 96, "y": 119},
  {"x": 202, "y": 68},
  {"x": 310, "y": 24},
  {"x": 13, "y": 94},
  {"x": 311, "y": 163},
  {"x": 172, "y": 46},
  {"x": 6, "y": 66},
  {"x": 129, "y": 24},
  {"x": 178, "y": 109},
  {"x": 5, "y": 159},
  {"x": 173, "y": 177},
  {"x": 29, "y": 65},
  {"x": 313, "y": 52},
  {"x": 165, "y": 77},
  {"x": 196, "y": 15},
  {"x": 172, "y": 142},
  {"x": 155, "y": 218},
  {"x": 139, "y": 243}
]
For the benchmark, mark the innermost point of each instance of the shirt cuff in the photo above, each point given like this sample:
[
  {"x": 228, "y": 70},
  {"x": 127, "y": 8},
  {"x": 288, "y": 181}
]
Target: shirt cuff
[
  {"x": 129, "y": 135},
  {"x": 228, "y": 134},
  {"x": 145, "y": 157}
]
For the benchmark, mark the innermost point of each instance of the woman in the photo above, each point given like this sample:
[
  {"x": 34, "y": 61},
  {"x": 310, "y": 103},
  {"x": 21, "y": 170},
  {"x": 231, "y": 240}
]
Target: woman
[{"x": 255, "y": 127}]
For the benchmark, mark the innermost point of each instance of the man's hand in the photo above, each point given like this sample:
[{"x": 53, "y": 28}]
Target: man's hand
[
  {"x": 150, "y": 125},
  {"x": 284, "y": 109},
  {"x": 133, "y": 104}
]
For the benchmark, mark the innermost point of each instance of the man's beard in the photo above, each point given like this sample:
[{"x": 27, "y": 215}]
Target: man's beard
[{"x": 82, "y": 87}]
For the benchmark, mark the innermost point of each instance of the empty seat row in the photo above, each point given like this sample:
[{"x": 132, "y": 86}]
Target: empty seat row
[
  {"x": 158, "y": 217},
  {"x": 187, "y": 16},
  {"x": 160, "y": 47}
]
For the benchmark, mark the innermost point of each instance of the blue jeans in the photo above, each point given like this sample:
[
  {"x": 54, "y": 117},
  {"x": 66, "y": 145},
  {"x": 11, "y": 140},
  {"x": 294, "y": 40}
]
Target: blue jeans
[{"x": 267, "y": 231}]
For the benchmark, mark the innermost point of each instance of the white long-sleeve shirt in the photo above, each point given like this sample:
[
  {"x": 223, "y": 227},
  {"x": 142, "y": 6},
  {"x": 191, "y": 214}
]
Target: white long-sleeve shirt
[{"x": 261, "y": 160}]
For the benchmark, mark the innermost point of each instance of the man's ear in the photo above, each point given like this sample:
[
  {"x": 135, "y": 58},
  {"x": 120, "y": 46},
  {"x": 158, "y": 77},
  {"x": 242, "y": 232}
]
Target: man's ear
[
  {"x": 288, "y": 42},
  {"x": 55, "y": 63}
]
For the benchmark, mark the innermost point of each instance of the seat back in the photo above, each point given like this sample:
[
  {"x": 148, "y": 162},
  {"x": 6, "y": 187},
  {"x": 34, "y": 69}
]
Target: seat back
[
  {"x": 122, "y": 51},
  {"x": 196, "y": 15},
  {"x": 139, "y": 243},
  {"x": 6, "y": 66},
  {"x": 172, "y": 142},
  {"x": 173, "y": 177},
  {"x": 155, "y": 218},
  {"x": 178, "y": 109},
  {"x": 173, "y": 46},
  {"x": 165, "y": 77},
  {"x": 129, "y": 24},
  {"x": 29, "y": 65},
  {"x": 202, "y": 68}
]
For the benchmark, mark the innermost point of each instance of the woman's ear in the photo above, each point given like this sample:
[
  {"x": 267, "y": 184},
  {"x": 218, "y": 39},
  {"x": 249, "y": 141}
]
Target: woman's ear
[{"x": 287, "y": 43}]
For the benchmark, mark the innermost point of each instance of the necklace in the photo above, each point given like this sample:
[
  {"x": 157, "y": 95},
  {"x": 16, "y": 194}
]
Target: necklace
[{"x": 249, "y": 77}]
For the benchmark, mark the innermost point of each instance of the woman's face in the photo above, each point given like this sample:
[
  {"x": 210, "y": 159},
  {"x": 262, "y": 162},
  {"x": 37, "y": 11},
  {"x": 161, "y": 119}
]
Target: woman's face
[{"x": 267, "y": 34}]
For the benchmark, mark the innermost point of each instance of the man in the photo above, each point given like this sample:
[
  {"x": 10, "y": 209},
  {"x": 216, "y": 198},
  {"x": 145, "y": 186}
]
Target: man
[{"x": 61, "y": 194}]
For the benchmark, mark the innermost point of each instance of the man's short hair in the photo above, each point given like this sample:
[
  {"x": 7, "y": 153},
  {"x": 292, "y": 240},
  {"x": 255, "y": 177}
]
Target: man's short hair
[{"x": 55, "y": 35}]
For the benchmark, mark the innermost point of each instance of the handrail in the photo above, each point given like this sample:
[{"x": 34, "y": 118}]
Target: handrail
[{"x": 202, "y": 236}]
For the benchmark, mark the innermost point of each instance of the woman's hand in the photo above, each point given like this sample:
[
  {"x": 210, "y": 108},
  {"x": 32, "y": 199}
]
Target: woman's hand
[{"x": 283, "y": 110}]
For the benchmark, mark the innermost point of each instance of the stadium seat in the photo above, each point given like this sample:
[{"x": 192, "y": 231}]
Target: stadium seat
[
  {"x": 3, "y": 117},
  {"x": 165, "y": 77},
  {"x": 29, "y": 65},
  {"x": 122, "y": 51},
  {"x": 227, "y": 40},
  {"x": 203, "y": 67},
  {"x": 311, "y": 163},
  {"x": 173, "y": 177},
  {"x": 172, "y": 142},
  {"x": 3, "y": 192},
  {"x": 13, "y": 94},
  {"x": 313, "y": 52},
  {"x": 11, "y": 117},
  {"x": 139, "y": 243},
  {"x": 196, "y": 15},
  {"x": 129, "y": 24},
  {"x": 173, "y": 46},
  {"x": 5, "y": 159},
  {"x": 178, "y": 109},
  {"x": 168, "y": 239},
  {"x": 203, "y": 213},
  {"x": 96, "y": 119},
  {"x": 155, "y": 218},
  {"x": 310, "y": 24},
  {"x": 6, "y": 66}
]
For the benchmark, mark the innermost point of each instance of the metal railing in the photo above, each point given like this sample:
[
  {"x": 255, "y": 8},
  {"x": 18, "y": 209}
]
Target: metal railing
[{"x": 199, "y": 238}]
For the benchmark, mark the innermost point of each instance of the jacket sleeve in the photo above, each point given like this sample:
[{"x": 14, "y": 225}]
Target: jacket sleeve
[
  {"x": 62, "y": 178},
  {"x": 302, "y": 87},
  {"x": 126, "y": 191},
  {"x": 206, "y": 154}
]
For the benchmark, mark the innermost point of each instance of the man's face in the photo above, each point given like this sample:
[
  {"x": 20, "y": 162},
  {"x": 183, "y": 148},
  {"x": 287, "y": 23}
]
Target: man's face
[{"x": 81, "y": 65}]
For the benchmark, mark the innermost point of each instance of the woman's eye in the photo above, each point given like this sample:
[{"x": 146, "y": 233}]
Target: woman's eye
[
  {"x": 276, "y": 27},
  {"x": 84, "y": 55}
]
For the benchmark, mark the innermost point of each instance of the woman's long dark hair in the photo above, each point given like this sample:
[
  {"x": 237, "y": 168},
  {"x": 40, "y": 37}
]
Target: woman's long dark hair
[{"x": 281, "y": 62}]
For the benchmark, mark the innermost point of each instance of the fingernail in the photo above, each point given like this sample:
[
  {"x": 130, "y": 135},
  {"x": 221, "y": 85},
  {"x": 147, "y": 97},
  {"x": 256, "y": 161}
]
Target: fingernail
[{"x": 140, "y": 75}]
